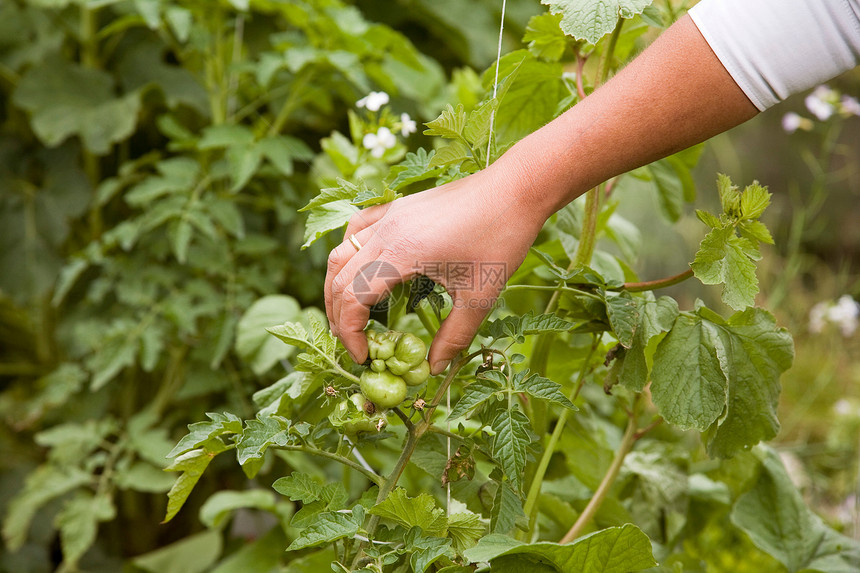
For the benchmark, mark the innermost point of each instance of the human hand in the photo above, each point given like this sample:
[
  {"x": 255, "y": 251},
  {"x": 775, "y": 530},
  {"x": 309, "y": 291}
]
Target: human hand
[{"x": 475, "y": 226}]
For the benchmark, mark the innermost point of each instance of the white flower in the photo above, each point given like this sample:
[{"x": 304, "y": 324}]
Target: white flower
[
  {"x": 844, "y": 314},
  {"x": 791, "y": 121},
  {"x": 378, "y": 142},
  {"x": 843, "y": 407},
  {"x": 850, "y": 105},
  {"x": 373, "y": 101},
  {"x": 407, "y": 125},
  {"x": 817, "y": 103},
  {"x": 817, "y": 314}
]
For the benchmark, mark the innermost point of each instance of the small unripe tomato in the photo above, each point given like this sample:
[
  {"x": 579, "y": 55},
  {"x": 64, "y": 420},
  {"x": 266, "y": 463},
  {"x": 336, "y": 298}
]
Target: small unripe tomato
[
  {"x": 410, "y": 349},
  {"x": 418, "y": 374},
  {"x": 384, "y": 389},
  {"x": 397, "y": 366},
  {"x": 377, "y": 365}
]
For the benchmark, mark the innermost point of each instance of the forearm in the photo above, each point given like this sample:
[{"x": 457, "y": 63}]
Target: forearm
[{"x": 674, "y": 95}]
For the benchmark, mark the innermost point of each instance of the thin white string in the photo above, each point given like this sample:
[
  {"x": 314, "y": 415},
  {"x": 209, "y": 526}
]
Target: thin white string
[{"x": 496, "y": 81}]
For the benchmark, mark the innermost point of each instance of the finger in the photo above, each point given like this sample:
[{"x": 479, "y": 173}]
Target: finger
[
  {"x": 370, "y": 283},
  {"x": 457, "y": 331},
  {"x": 337, "y": 259},
  {"x": 365, "y": 218}
]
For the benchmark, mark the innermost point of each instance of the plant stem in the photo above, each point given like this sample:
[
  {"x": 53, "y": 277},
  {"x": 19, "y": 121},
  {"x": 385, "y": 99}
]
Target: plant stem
[
  {"x": 530, "y": 507},
  {"x": 606, "y": 59},
  {"x": 596, "y": 501},
  {"x": 372, "y": 476},
  {"x": 426, "y": 319},
  {"x": 658, "y": 283}
]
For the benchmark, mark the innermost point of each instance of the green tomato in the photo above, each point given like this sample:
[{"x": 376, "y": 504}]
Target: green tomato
[
  {"x": 410, "y": 349},
  {"x": 377, "y": 365},
  {"x": 397, "y": 367},
  {"x": 383, "y": 388},
  {"x": 418, "y": 374}
]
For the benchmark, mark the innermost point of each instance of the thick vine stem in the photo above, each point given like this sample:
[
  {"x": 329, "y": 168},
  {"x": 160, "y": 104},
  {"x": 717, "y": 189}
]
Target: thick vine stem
[
  {"x": 372, "y": 476},
  {"x": 658, "y": 283}
]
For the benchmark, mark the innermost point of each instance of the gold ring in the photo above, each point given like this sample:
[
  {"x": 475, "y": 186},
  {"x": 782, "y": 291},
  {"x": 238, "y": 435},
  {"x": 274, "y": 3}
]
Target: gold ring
[{"x": 355, "y": 242}]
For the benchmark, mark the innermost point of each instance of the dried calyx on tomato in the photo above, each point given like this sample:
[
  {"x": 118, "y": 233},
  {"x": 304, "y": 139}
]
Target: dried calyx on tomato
[{"x": 397, "y": 359}]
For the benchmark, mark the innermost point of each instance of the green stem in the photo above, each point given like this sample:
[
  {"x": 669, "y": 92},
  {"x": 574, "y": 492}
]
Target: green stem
[
  {"x": 290, "y": 104},
  {"x": 658, "y": 283},
  {"x": 372, "y": 476},
  {"x": 606, "y": 59},
  {"x": 426, "y": 318},
  {"x": 530, "y": 508},
  {"x": 630, "y": 437}
]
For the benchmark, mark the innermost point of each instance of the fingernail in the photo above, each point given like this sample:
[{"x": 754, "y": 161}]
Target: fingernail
[{"x": 439, "y": 366}]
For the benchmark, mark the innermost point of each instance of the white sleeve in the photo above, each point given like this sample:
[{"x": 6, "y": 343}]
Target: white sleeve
[{"x": 774, "y": 48}]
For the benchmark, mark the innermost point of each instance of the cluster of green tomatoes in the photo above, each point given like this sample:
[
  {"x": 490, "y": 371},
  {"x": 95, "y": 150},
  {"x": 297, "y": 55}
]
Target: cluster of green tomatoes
[{"x": 397, "y": 361}]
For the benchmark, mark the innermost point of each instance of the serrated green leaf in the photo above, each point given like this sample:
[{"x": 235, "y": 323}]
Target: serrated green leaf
[
  {"x": 507, "y": 509},
  {"x": 655, "y": 318},
  {"x": 592, "y": 19},
  {"x": 244, "y": 161},
  {"x": 477, "y": 130},
  {"x": 415, "y": 167},
  {"x": 292, "y": 333},
  {"x": 465, "y": 529},
  {"x": 200, "y": 432},
  {"x": 725, "y": 258},
  {"x": 755, "y": 231},
  {"x": 623, "y": 313},
  {"x": 258, "y": 435},
  {"x": 755, "y": 352},
  {"x": 613, "y": 550},
  {"x": 420, "y": 511},
  {"x": 473, "y": 396},
  {"x": 283, "y": 150},
  {"x": 543, "y": 388},
  {"x": 450, "y": 123},
  {"x": 454, "y": 153},
  {"x": 511, "y": 443},
  {"x": 345, "y": 190},
  {"x": 754, "y": 200},
  {"x": 328, "y": 527},
  {"x": 730, "y": 196},
  {"x": 192, "y": 465},
  {"x": 299, "y": 487},
  {"x": 78, "y": 523},
  {"x": 688, "y": 384},
  {"x": 326, "y": 218},
  {"x": 541, "y": 323},
  {"x": 545, "y": 38},
  {"x": 708, "y": 219}
]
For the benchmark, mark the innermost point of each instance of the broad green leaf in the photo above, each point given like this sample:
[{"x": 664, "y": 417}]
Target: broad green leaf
[
  {"x": 65, "y": 99},
  {"x": 328, "y": 527},
  {"x": 420, "y": 511},
  {"x": 655, "y": 318},
  {"x": 655, "y": 482},
  {"x": 670, "y": 189},
  {"x": 726, "y": 258},
  {"x": 755, "y": 231},
  {"x": 450, "y": 124},
  {"x": 41, "y": 486},
  {"x": 454, "y": 153},
  {"x": 592, "y": 19},
  {"x": 507, "y": 509},
  {"x": 531, "y": 98},
  {"x": 688, "y": 384},
  {"x": 226, "y": 135},
  {"x": 415, "y": 167},
  {"x": 244, "y": 161},
  {"x": 118, "y": 352},
  {"x": 201, "y": 432},
  {"x": 543, "y": 388},
  {"x": 144, "y": 477},
  {"x": 283, "y": 150},
  {"x": 465, "y": 529},
  {"x": 623, "y": 313},
  {"x": 511, "y": 443},
  {"x": 193, "y": 554},
  {"x": 299, "y": 487},
  {"x": 708, "y": 219},
  {"x": 754, "y": 352},
  {"x": 545, "y": 38},
  {"x": 474, "y": 395},
  {"x": 221, "y": 505},
  {"x": 78, "y": 523},
  {"x": 192, "y": 465},
  {"x": 477, "y": 131},
  {"x": 258, "y": 435},
  {"x": 778, "y": 521},
  {"x": 614, "y": 550},
  {"x": 264, "y": 555},
  {"x": 325, "y": 218},
  {"x": 72, "y": 442},
  {"x": 423, "y": 550},
  {"x": 253, "y": 343},
  {"x": 754, "y": 200},
  {"x": 517, "y": 326},
  {"x": 292, "y": 333},
  {"x": 345, "y": 190}
]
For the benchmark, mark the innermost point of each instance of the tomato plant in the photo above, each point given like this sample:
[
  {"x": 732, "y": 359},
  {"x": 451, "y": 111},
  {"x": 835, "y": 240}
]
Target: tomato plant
[{"x": 156, "y": 158}]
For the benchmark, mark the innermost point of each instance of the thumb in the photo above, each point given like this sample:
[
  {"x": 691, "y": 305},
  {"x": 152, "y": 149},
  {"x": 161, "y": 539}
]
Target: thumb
[{"x": 455, "y": 334}]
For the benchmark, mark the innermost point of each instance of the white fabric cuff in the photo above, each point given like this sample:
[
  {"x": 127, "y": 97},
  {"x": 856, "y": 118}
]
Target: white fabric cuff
[{"x": 775, "y": 48}]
